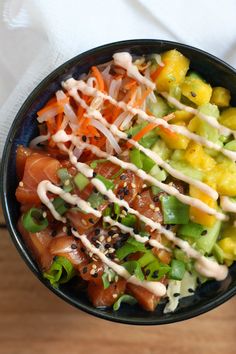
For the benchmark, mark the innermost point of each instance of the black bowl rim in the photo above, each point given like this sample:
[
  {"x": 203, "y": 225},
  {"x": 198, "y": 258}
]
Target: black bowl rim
[{"x": 13, "y": 232}]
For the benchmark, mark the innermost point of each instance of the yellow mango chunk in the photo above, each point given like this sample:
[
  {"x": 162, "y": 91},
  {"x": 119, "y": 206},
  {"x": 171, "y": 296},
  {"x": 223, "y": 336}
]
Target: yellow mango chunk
[
  {"x": 223, "y": 176},
  {"x": 220, "y": 96},
  {"x": 228, "y": 243},
  {"x": 198, "y": 158},
  {"x": 174, "y": 71},
  {"x": 174, "y": 140},
  {"x": 228, "y": 118},
  {"x": 181, "y": 116},
  {"x": 198, "y": 216},
  {"x": 196, "y": 90}
]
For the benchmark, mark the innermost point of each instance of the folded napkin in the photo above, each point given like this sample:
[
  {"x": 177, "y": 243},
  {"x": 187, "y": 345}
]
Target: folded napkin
[{"x": 36, "y": 36}]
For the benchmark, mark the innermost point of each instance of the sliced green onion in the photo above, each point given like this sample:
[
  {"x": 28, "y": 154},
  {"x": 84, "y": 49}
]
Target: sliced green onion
[
  {"x": 60, "y": 205},
  {"x": 134, "y": 268},
  {"x": 94, "y": 163},
  {"x": 131, "y": 246},
  {"x": 34, "y": 221},
  {"x": 156, "y": 270},
  {"x": 147, "y": 162},
  {"x": 60, "y": 272},
  {"x": 174, "y": 211},
  {"x": 147, "y": 258},
  {"x": 143, "y": 233},
  {"x": 128, "y": 299},
  {"x": 155, "y": 190},
  {"x": 108, "y": 183},
  {"x": 105, "y": 281},
  {"x": 118, "y": 173},
  {"x": 129, "y": 220},
  {"x": 191, "y": 230},
  {"x": 81, "y": 181},
  {"x": 158, "y": 173},
  {"x": 65, "y": 178},
  {"x": 177, "y": 270},
  {"x": 218, "y": 253},
  {"x": 95, "y": 200},
  {"x": 116, "y": 210},
  {"x": 135, "y": 158}
]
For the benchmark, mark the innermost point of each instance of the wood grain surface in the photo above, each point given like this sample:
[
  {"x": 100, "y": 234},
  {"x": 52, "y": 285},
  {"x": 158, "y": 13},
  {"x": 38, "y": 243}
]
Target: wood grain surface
[{"x": 35, "y": 321}]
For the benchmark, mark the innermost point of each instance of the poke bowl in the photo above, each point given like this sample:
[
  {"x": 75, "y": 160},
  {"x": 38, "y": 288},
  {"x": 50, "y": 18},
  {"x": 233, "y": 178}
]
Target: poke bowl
[{"x": 118, "y": 182}]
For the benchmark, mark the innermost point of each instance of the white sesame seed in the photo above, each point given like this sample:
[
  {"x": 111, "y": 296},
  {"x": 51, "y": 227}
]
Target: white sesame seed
[
  {"x": 157, "y": 209},
  {"x": 116, "y": 278},
  {"x": 116, "y": 260},
  {"x": 21, "y": 184},
  {"x": 98, "y": 242},
  {"x": 144, "y": 185},
  {"x": 106, "y": 252},
  {"x": 95, "y": 259},
  {"x": 152, "y": 206},
  {"x": 111, "y": 250},
  {"x": 67, "y": 182},
  {"x": 44, "y": 214},
  {"x": 124, "y": 212},
  {"x": 133, "y": 185},
  {"x": 109, "y": 239},
  {"x": 84, "y": 222},
  {"x": 101, "y": 238},
  {"x": 90, "y": 254},
  {"x": 92, "y": 271},
  {"x": 94, "y": 266},
  {"x": 64, "y": 229},
  {"x": 115, "y": 236},
  {"x": 125, "y": 184},
  {"x": 114, "y": 296}
]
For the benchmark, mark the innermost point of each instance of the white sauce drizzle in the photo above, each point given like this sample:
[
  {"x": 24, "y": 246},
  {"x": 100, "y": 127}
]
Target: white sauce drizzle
[
  {"x": 141, "y": 239},
  {"x": 124, "y": 60},
  {"x": 210, "y": 120},
  {"x": 63, "y": 137},
  {"x": 46, "y": 186},
  {"x": 72, "y": 85},
  {"x": 227, "y": 204},
  {"x": 175, "y": 173},
  {"x": 156, "y": 288}
]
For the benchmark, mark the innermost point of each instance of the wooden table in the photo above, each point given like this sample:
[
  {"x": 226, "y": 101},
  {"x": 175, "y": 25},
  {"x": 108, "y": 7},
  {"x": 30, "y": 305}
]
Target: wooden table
[{"x": 35, "y": 321}]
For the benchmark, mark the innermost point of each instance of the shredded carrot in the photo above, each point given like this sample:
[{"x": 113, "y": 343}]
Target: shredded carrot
[
  {"x": 141, "y": 100},
  {"x": 129, "y": 84},
  {"x": 98, "y": 76},
  {"x": 141, "y": 133},
  {"x": 168, "y": 132},
  {"x": 59, "y": 119},
  {"x": 55, "y": 104},
  {"x": 156, "y": 73}
]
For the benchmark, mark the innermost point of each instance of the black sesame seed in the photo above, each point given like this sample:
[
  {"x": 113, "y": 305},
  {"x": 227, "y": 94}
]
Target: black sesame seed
[
  {"x": 84, "y": 270},
  {"x": 54, "y": 233},
  {"x": 155, "y": 274},
  {"x": 129, "y": 136},
  {"x": 190, "y": 290},
  {"x": 95, "y": 190},
  {"x": 126, "y": 192},
  {"x": 193, "y": 94},
  {"x": 82, "y": 249},
  {"x": 73, "y": 246},
  {"x": 125, "y": 209},
  {"x": 54, "y": 258},
  {"x": 96, "y": 245},
  {"x": 156, "y": 198},
  {"x": 121, "y": 197},
  {"x": 69, "y": 233},
  {"x": 117, "y": 244},
  {"x": 84, "y": 138},
  {"x": 105, "y": 197},
  {"x": 91, "y": 221},
  {"x": 94, "y": 239},
  {"x": 204, "y": 232},
  {"x": 120, "y": 191},
  {"x": 74, "y": 229},
  {"x": 97, "y": 232},
  {"x": 147, "y": 272},
  {"x": 126, "y": 259},
  {"x": 107, "y": 245},
  {"x": 123, "y": 177},
  {"x": 95, "y": 275},
  {"x": 198, "y": 281},
  {"x": 176, "y": 294},
  {"x": 111, "y": 256},
  {"x": 119, "y": 219},
  {"x": 111, "y": 233},
  {"x": 94, "y": 174}
]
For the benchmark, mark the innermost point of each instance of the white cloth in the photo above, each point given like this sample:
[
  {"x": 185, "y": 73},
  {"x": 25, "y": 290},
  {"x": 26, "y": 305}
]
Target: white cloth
[{"x": 36, "y": 36}]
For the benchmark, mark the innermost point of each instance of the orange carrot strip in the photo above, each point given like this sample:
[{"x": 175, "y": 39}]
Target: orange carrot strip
[
  {"x": 141, "y": 133},
  {"x": 59, "y": 119},
  {"x": 156, "y": 73},
  {"x": 129, "y": 84},
  {"x": 98, "y": 76},
  {"x": 140, "y": 101}
]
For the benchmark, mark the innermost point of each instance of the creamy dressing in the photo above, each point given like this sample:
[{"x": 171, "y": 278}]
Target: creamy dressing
[
  {"x": 227, "y": 204},
  {"x": 141, "y": 239},
  {"x": 156, "y": 287},
  {"x": 211, "y": 269},
  {"x": 173, "y": 172},
  {"x": 124, "y": 60},
  {"x": 63, "y": 137},
  {"x": 210, "y": 120},
  {"x": 72, "y": 85},
  {"x": 46, "y": 186}
]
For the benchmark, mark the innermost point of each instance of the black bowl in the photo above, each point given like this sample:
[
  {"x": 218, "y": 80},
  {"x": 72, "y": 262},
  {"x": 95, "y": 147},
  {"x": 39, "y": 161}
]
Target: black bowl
[{"x": 24, "y": 128}]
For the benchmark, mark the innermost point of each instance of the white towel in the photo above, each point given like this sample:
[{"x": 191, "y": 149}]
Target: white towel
[{"x": 36, "y": 36}]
